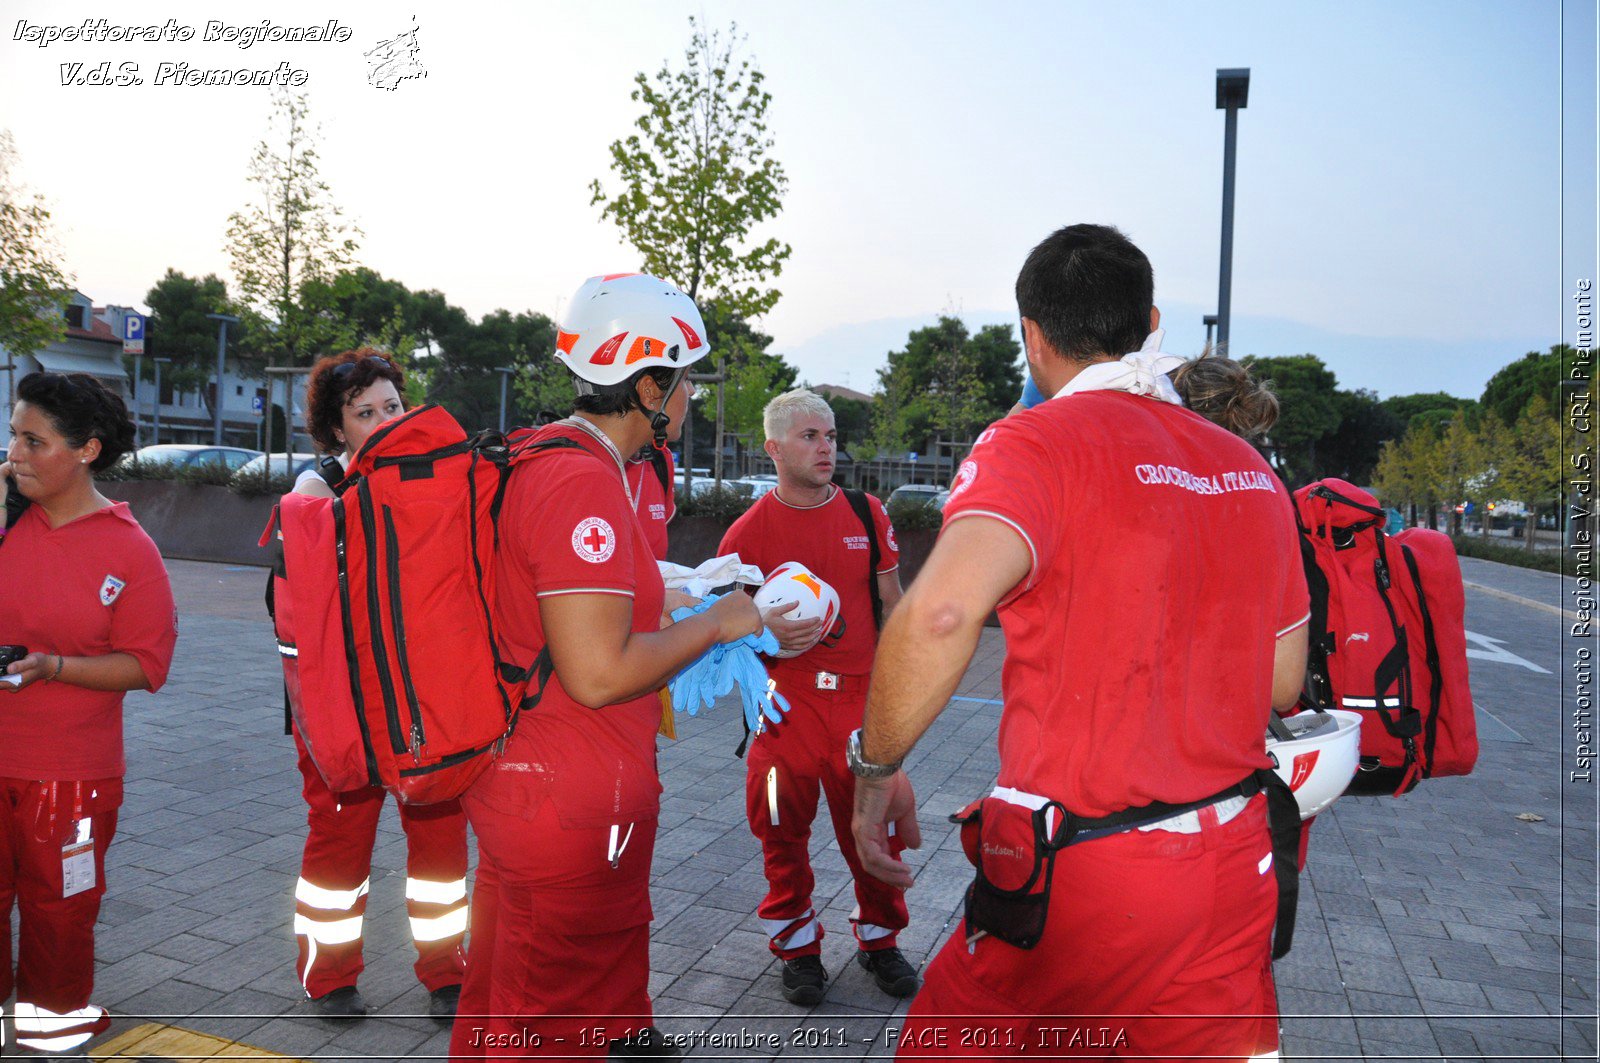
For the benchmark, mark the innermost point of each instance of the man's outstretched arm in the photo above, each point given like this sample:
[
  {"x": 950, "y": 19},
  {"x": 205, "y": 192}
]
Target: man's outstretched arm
[{"x": 926, "y": 646}]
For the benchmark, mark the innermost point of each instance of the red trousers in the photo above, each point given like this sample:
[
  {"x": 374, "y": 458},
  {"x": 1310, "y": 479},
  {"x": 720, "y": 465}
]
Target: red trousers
[
  {"x": 1157, "y": 944},
  {"x": 331, "y": 896},
  {"x": 560, "y": 960},
  {"x": 789, "y": 765},
  {"x": 55, "y": 956}
]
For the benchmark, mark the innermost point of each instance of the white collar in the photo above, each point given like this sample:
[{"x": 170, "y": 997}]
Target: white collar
[
  {"x": 1144, "y": 372},
  {"x": 611, "y": 448}
]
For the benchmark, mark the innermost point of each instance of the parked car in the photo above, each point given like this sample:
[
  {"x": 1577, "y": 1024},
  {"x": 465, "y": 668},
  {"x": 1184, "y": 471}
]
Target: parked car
[
  {"x": 704, "y": 484},
  {"x": 181, "y": 454},
  {"x": 255, "y": 466},
  {"x": 759, "y": 485},
  {"x": 917, "y": 495}
]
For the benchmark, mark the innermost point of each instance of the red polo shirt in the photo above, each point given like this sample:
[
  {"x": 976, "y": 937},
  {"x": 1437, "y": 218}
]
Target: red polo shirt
[
  {"x": 93, "y": 586},
  {"x": 655, "y": 504},
  {"x": 831, "y": 541},
  {"x": 1139, "y": 647}
]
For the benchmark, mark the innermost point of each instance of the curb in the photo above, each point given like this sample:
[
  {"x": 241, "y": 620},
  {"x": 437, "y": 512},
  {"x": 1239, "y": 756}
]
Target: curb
[{"x": 1543, "y": 607}]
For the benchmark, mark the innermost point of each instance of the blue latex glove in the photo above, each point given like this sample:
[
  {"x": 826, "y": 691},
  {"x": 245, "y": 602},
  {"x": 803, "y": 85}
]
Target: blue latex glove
[
  {"x": 716, "y": 671},
  {"x": 1031, "y": 395}
]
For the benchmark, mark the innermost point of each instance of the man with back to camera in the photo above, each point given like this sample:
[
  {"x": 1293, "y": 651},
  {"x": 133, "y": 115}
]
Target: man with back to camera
[
  {"x": 810, "y": 520},
  {"x": 1145, "y": 567}
]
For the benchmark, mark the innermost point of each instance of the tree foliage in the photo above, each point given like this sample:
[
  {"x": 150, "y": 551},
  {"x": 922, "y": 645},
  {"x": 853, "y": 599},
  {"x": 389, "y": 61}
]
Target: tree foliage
[
  {"x": 1309, "y": 411},
  {"x": 946, "y": 382},
  {"x": 697, "y": 177},
  {"x": 179, "y": 329},
  {"x": 289, "y": 235},
  {"x": 1534, "y": 375},
  {"x": 34, "y": 285}
]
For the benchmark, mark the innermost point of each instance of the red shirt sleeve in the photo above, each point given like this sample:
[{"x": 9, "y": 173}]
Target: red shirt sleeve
[
  {"x": 144, "y": 620},
  {"x": 888, "y": 548},
  {"x": 1001, "y": 480},
  {"x": 578, "y": 530}
]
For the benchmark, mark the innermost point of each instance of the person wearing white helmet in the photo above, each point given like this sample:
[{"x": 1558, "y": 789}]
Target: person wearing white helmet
[
  {"x": 810, "y": 520},
  {"x": 566, "y": 817},
  {"x": 1146, "y": 570}
]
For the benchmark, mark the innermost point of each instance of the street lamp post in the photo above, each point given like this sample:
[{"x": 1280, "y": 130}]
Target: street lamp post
[
  {"x": 1210, "y": 322},
  {"x": 155, "y": 419},
  {"x": 223, "y": 321},
  {"x": 1233, "y": 94},
  {"x": 505, "y": 372}
]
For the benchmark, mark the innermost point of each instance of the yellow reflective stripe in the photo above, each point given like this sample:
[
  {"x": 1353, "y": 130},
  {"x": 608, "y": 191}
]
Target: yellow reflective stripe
[
  {"x": 426, "y": 892},
  {"x": 329, "y": 932},
  {"x": 313, "y": 896},
  {"x": 439, "y": 927}
]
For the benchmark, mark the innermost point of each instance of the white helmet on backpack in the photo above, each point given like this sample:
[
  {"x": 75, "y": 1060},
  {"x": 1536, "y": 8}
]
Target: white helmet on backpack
[
  {"x": 1320, "y": 759},
  {"x": 792, "y": 584},
  {"x": 621, "y": 323}
]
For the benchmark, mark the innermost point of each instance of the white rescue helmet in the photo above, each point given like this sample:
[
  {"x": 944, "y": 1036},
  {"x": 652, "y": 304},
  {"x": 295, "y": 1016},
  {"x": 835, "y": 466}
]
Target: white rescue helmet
[
  {"x": 621, "y": 323},
  {"x": 792, "y": 584},
  {"x": 1320, "y": 760}
]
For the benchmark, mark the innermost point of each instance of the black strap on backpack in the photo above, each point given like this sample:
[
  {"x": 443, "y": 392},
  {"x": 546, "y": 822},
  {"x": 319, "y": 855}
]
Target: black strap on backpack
[
  {"x": 1436, "y": 688},
  {"x": 858, "y": 502}
]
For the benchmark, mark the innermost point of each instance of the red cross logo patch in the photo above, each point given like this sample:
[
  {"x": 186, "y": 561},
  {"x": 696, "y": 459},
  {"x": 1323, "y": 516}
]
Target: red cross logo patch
[{"x": 593, "y": 540}]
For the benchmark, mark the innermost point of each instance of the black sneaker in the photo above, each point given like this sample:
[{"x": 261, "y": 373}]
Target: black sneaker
[
  {"x": 648, "y": 1043},
  {"x": 442, "y": 1003},
  {"x": 803, "y": 980},
  {"x": 893, "y": 973},
  {"x": 343, "y": 1003}
]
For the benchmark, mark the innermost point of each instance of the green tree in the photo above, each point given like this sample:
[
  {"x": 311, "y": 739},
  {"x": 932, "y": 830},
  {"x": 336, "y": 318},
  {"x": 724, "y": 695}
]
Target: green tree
[
  {"x": 1351, "y": 451},
  {"x": 949, "y": 382},
  {"x": 1534, "y": 375},
  {"x": 1309, "y": 411},
  {"x": 289, "y": 235},
  {"x": 697, "y": 177},
  {"x": 1436, "y": 408},
  {"x": 180, "y": 330},
  {"x": 463, "y": 377},
  {"x": 1456, "y": 462},
  {"x": 755, "y": 376},
  {"x": 1404, "y": 476},
  {"x": 34, "y": 286},
  {"x": 853, "y": 418},
  {"x": 1531, "y": 462}
]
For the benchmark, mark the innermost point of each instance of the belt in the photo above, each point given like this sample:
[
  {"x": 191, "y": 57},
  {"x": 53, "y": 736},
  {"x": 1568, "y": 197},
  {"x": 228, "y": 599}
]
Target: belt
[
  {"x": 822, "y": 680},
  {"x": 1180, "y": 819}
]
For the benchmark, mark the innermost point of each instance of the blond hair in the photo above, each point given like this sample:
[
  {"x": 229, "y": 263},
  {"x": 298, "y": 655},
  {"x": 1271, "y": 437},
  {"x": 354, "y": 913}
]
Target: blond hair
[{"x": 781, "y": 411}]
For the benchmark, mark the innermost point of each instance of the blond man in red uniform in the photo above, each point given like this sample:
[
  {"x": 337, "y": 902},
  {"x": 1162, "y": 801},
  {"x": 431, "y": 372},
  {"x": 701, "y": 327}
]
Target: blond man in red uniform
[
  {"x": 1145, "y": 567},
  {"x": 808, "y": 519}
]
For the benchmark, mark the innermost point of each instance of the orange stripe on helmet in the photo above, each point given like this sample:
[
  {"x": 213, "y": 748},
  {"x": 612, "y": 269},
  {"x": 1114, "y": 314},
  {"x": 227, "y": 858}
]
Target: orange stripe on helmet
[
  {"x": 606, "y": 353},
  {"x": 617, "y": 276},
  {"x": 808, "y": 583},
  {"x": 565, "y": 341},
  {"x": 643, "y": 347}
]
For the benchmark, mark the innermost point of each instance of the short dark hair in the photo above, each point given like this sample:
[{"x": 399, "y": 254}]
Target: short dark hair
[
  {"x": 81, "y": 408},
  {"x": 1089, "y": 289},
  {"x": 621, "y": 398},
  {"x": 331, "y": 386}
]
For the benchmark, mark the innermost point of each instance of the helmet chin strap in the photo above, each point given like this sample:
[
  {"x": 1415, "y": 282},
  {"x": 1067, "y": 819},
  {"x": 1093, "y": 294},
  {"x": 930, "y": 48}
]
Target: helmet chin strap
[{"x": 659, "y": 420}]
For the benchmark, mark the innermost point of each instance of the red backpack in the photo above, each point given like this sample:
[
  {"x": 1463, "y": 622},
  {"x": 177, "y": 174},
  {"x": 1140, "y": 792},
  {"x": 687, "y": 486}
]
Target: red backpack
[
  {"x": 384, "y": 614},
  {"x": 1388, "y": 637}
]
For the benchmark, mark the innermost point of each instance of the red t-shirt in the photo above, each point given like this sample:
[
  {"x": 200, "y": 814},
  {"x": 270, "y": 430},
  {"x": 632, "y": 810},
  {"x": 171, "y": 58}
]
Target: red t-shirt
[
  {"x": 831, "y": 541},
  {"x": 566, "y": 528},
  {"x": 655, "y": 504},
  {"x": 93, "y": 586},
  {"x": 1165, "y": 561}
]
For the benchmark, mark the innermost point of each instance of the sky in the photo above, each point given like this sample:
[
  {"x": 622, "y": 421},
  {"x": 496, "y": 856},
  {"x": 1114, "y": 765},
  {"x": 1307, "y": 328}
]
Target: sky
[{"x": 1415, "y": 190}]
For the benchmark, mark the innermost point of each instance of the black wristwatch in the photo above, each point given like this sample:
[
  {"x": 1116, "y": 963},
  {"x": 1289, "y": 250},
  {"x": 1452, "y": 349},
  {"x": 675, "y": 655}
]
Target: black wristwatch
[{"x": 862, "y": 768}]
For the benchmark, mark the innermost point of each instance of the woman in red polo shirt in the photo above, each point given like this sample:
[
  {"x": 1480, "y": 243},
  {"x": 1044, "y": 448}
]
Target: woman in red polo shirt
[{"x": 84, "y": 589}]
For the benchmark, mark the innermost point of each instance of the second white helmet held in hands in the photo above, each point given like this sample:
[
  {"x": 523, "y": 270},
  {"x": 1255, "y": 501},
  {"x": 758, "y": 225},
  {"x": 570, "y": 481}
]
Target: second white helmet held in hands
[{"x": 799, "y": 594}]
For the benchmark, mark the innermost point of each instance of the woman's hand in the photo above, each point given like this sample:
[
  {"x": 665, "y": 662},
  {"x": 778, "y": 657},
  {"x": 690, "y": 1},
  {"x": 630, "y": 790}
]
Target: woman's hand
[
  {"x": 736, "y": 616},
  {"x": 33, "y": 668}
]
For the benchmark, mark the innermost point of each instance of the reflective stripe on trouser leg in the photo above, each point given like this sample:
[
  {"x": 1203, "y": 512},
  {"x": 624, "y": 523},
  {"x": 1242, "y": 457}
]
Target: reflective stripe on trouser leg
[
  {"x": 438, "y": 910},
  {"x": 772, "y": 794},
  {"x": 44, "y": 1030},
  {"x": 322, "y": 917},
  {"x": 792, "y": 933},
  {"x": 866, "y": 932}
]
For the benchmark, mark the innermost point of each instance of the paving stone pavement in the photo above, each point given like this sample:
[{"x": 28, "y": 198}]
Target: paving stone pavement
[{"x": 1436, "y": 926}]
